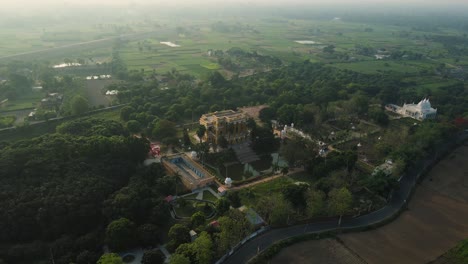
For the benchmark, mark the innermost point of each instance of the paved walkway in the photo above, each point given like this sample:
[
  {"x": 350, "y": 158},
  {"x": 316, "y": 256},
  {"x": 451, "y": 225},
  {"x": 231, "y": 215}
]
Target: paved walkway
[{"x": 397, "y": 201}]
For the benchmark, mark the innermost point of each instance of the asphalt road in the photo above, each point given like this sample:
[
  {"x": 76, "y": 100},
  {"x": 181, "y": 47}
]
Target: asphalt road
[{"x": 397, "y": 201}]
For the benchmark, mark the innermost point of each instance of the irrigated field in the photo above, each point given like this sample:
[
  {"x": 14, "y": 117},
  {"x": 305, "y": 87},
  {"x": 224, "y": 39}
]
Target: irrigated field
[
  {"x": 141, "y": 49},
  {"x": 437, "y": 219}
]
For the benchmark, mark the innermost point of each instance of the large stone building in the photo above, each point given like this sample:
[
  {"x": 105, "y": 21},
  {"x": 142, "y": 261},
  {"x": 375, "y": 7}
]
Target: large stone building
[
  {"x": 229, "y": 124},
  {"x": 421, "y": 111}
]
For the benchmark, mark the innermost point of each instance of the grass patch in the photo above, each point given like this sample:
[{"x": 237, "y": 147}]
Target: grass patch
[
  {"x": 7, "y": 121},
  {"x": 211, "y": 66},
  {"x": 377, "y": 66},
  {"x": 302, "y": 177},
  {"x": 207, "y": 195},
  {"x": 250, "y": 195}
]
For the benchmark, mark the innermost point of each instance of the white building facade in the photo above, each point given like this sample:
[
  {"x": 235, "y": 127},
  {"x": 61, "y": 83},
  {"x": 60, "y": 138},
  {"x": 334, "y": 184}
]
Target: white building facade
[{"x": 421, "y": 111}]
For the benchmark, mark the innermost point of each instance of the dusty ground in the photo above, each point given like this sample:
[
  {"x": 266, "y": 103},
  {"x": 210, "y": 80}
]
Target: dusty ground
[
  {"x": 253, "y": 111},
  {"x": 436, "y": 221},
  {"x": 325, "y": 251},
  {"x": 94, "y": 92}
]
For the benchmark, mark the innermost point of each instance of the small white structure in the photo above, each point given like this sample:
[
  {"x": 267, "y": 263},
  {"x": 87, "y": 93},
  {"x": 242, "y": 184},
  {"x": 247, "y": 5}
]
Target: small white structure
[
  {"x": 112, "y": 92},
  {"x": 193, "y": 235},
  {"x": 421, "y": 111},
  {"x": 193, "y": 155},
  {"x": 386, "y": 168},
  {"x": 170, "y": 44},
  {"x": 228, "y": 182}
]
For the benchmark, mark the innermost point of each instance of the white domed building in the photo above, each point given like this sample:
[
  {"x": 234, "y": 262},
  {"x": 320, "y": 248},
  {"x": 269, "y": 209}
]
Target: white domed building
[
  {"x": 421, "y": 111},
  {"x": 228, "y": 182}
]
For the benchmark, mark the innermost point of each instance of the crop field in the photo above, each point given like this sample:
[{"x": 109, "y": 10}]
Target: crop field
[
  {"x": 23, "y": 102},
  {"x": 278, "y": 39},
  {"x": 141, "y": 48}
]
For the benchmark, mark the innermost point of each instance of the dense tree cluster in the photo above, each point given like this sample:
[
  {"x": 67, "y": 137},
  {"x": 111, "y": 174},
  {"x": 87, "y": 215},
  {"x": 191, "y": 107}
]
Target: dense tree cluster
[{"x": 68, "y": 193}]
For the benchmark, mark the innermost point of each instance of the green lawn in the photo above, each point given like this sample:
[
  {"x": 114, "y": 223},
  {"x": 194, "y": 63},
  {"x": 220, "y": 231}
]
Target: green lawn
[
  {"x": 250, "y": 195},
  {"x": 302, "y": 177},
  {"x": 207, "y": 195},
  {"x": 27, "y": 101}
]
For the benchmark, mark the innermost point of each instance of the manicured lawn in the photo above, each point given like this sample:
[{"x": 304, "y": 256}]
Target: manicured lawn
[
  {"x": 250, "y": 195},
  {"x": 207, "y": 195}
]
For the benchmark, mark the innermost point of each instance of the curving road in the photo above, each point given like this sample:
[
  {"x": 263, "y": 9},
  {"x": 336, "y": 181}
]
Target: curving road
[{"x": 398, "y": 200}]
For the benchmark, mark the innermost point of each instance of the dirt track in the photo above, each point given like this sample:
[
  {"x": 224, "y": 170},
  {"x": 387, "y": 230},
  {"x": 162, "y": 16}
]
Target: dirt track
[{"x": 436, "y": 220}]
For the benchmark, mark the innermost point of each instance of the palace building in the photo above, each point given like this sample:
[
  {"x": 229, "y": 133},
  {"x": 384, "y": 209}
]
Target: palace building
[{"x": 229, "y": 124}]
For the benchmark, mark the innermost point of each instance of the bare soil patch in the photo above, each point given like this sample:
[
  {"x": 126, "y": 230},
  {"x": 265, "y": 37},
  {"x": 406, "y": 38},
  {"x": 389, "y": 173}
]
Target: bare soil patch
[
  {"x": 96, "y": 94},
  {"x": 325, "y": 251}
]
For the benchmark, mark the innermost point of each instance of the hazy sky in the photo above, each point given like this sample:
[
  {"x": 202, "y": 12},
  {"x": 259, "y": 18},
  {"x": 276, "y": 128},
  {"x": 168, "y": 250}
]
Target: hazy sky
[{"x": 31, "y": 3}]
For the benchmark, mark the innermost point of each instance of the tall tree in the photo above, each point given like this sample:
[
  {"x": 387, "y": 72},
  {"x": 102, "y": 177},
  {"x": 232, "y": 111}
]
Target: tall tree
[
  {"x": 198, "y": 219},
  {"x": 153, "y": 256},
  {"x": 340, "y": 201},
  {"x": 222, "y": 205},
  {"x": 179, "y": 259},
  {"x": 315, "y": 203},
  {"x": 234, "y": 227},
  {"x": 125, "y": 112},
  {"x": 120, "y": 234},
  {"x": 79, "y": 105},
  {"x": 110, "y": 258},
  {"x": 133, "y": 126},
  {"x": 201, "y": 132},
  {"x": 275, "y": 209},
  {"x": 178, "y": 234},
  {"x": 164, "y": 129},
  {"x": 203, "y": 248}
]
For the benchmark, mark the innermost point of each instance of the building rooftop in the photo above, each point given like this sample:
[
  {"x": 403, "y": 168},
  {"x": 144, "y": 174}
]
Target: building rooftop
[{"x": 230, "y": 115}]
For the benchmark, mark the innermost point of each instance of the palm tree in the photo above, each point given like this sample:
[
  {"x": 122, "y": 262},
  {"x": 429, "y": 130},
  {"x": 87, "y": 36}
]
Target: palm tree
[{"x": 178, "y": 181}]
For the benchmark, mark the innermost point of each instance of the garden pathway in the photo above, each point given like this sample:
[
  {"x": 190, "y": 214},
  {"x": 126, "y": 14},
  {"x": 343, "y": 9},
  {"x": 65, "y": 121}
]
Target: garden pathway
[{"x": 291, "y": 171}]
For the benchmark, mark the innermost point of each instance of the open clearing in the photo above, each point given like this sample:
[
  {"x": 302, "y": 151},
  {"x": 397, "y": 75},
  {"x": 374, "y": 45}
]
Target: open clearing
[
  {"x": 95, "y": 94},
  {"x": 436, "y": 221}
]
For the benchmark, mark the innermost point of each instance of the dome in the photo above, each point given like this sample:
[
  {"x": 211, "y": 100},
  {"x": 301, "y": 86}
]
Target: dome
[
  {"x": 228, "y": 181},
  {"x": 193, "y": 154},
  {"x": 425, "y": 104}
]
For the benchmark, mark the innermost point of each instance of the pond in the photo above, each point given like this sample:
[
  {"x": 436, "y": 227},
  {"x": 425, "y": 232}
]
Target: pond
[
  {"x": 170, "y": 44},
  {"x": 306, "y": 42},
  {"x": 240, "y": 172}
]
